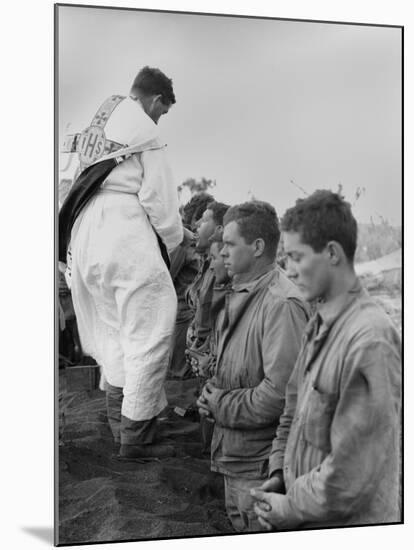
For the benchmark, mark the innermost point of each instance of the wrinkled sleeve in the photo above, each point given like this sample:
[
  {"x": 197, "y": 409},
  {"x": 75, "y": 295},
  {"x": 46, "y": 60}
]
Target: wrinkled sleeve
[
  {"x": 364, "y": 433},
  {"x": 261, "y": 406},
  {"x": 159, "y": 198},
  {"x": 277, "y": 455}
]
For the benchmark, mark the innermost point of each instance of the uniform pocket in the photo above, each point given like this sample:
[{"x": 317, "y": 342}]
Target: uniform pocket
[{"x": 317, "y": 419}]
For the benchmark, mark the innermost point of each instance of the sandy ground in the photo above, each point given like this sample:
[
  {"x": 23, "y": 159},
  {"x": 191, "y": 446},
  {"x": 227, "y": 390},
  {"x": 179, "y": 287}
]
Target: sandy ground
[{"x": 104, "y": 499}]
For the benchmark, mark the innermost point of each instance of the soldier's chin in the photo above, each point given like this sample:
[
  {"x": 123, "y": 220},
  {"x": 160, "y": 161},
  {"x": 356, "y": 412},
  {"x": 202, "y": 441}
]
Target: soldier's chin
[
  {"x": 223, "y": 279},
  {"x": 307, "y": 295}
]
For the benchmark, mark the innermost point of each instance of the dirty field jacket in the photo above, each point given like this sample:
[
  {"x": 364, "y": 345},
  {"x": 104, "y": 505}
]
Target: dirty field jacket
[
  {"x": 259, "y": 333},
  {"x": 338, "y": 438}
]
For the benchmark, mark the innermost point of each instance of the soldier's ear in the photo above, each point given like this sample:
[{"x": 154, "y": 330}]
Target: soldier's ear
[
  {"x": 259, "y": 247},
  {"x": 156, "y": 98},
  {"x": 335, "y": 252}
]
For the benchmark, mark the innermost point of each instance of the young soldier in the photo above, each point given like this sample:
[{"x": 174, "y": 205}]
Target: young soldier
[
  {"x": 185, "y": 265},
  {"x": 335, "y": 459},
  {"x": 200, "y": 293},
  {"x": 204, "y": 363},
  {"x": 259, "y": 333}
]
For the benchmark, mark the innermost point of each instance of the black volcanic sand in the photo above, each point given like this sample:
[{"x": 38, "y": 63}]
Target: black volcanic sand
[{"x": 104, "y": 499}]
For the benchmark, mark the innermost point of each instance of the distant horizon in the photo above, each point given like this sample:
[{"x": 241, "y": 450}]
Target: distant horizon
[{"x": 376, "y": 222}]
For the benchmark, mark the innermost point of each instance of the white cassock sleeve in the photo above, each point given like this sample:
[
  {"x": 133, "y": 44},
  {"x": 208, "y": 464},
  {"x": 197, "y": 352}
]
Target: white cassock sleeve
[{"x": 159, "y": 197}]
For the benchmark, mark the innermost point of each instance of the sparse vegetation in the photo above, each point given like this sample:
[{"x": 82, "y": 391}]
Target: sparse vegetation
[
  {"x": 377, "y": 240},
  {"x": 195, "y": 186}
]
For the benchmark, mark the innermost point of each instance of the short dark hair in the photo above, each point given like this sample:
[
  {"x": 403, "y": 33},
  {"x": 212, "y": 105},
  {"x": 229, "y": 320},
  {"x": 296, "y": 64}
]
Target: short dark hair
[
  {"x": 194, "y": 208},
  {"x": 151, "y": 81},
  {"x": 256, "y": 220},
  {"x": 322, "y": 217},
  {"x": 218, "y": 209}
]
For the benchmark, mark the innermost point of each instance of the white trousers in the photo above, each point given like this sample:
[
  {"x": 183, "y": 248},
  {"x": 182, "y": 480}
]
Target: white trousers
[{"x": 124, "y": 299}]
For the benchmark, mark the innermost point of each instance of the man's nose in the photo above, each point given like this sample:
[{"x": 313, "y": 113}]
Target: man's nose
[
  {"x": 291, "y": 271},
  {"x": 223, "y": 251}
]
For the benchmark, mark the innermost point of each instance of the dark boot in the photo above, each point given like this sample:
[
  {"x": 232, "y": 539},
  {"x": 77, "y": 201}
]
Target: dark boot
[
  {"x": 114, "y": 397},
  {"x": 138, "y": 441}
]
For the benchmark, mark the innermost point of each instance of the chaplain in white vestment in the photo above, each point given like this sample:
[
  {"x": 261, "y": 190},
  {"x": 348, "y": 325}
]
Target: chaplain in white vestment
[{"x": 123, "y": 295}]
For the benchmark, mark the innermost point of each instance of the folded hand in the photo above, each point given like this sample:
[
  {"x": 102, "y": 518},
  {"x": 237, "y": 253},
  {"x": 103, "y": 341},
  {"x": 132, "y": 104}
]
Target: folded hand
[{"x": 272, "y": 509}]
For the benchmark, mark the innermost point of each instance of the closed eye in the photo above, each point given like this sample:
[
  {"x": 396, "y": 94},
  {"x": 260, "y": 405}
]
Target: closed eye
[{"x": 294, "y": 256}]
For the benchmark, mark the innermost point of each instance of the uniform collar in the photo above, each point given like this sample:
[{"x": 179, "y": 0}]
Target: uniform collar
[
  {"x": 329, "y": 312},
  {"x": 251, "y": 285}
]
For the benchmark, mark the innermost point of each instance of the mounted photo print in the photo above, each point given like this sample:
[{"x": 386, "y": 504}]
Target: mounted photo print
[{"x": 228, "y": 275}]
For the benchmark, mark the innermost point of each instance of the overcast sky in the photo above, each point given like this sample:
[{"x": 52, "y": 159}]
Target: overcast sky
[{"x": 263, "y": 106}]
